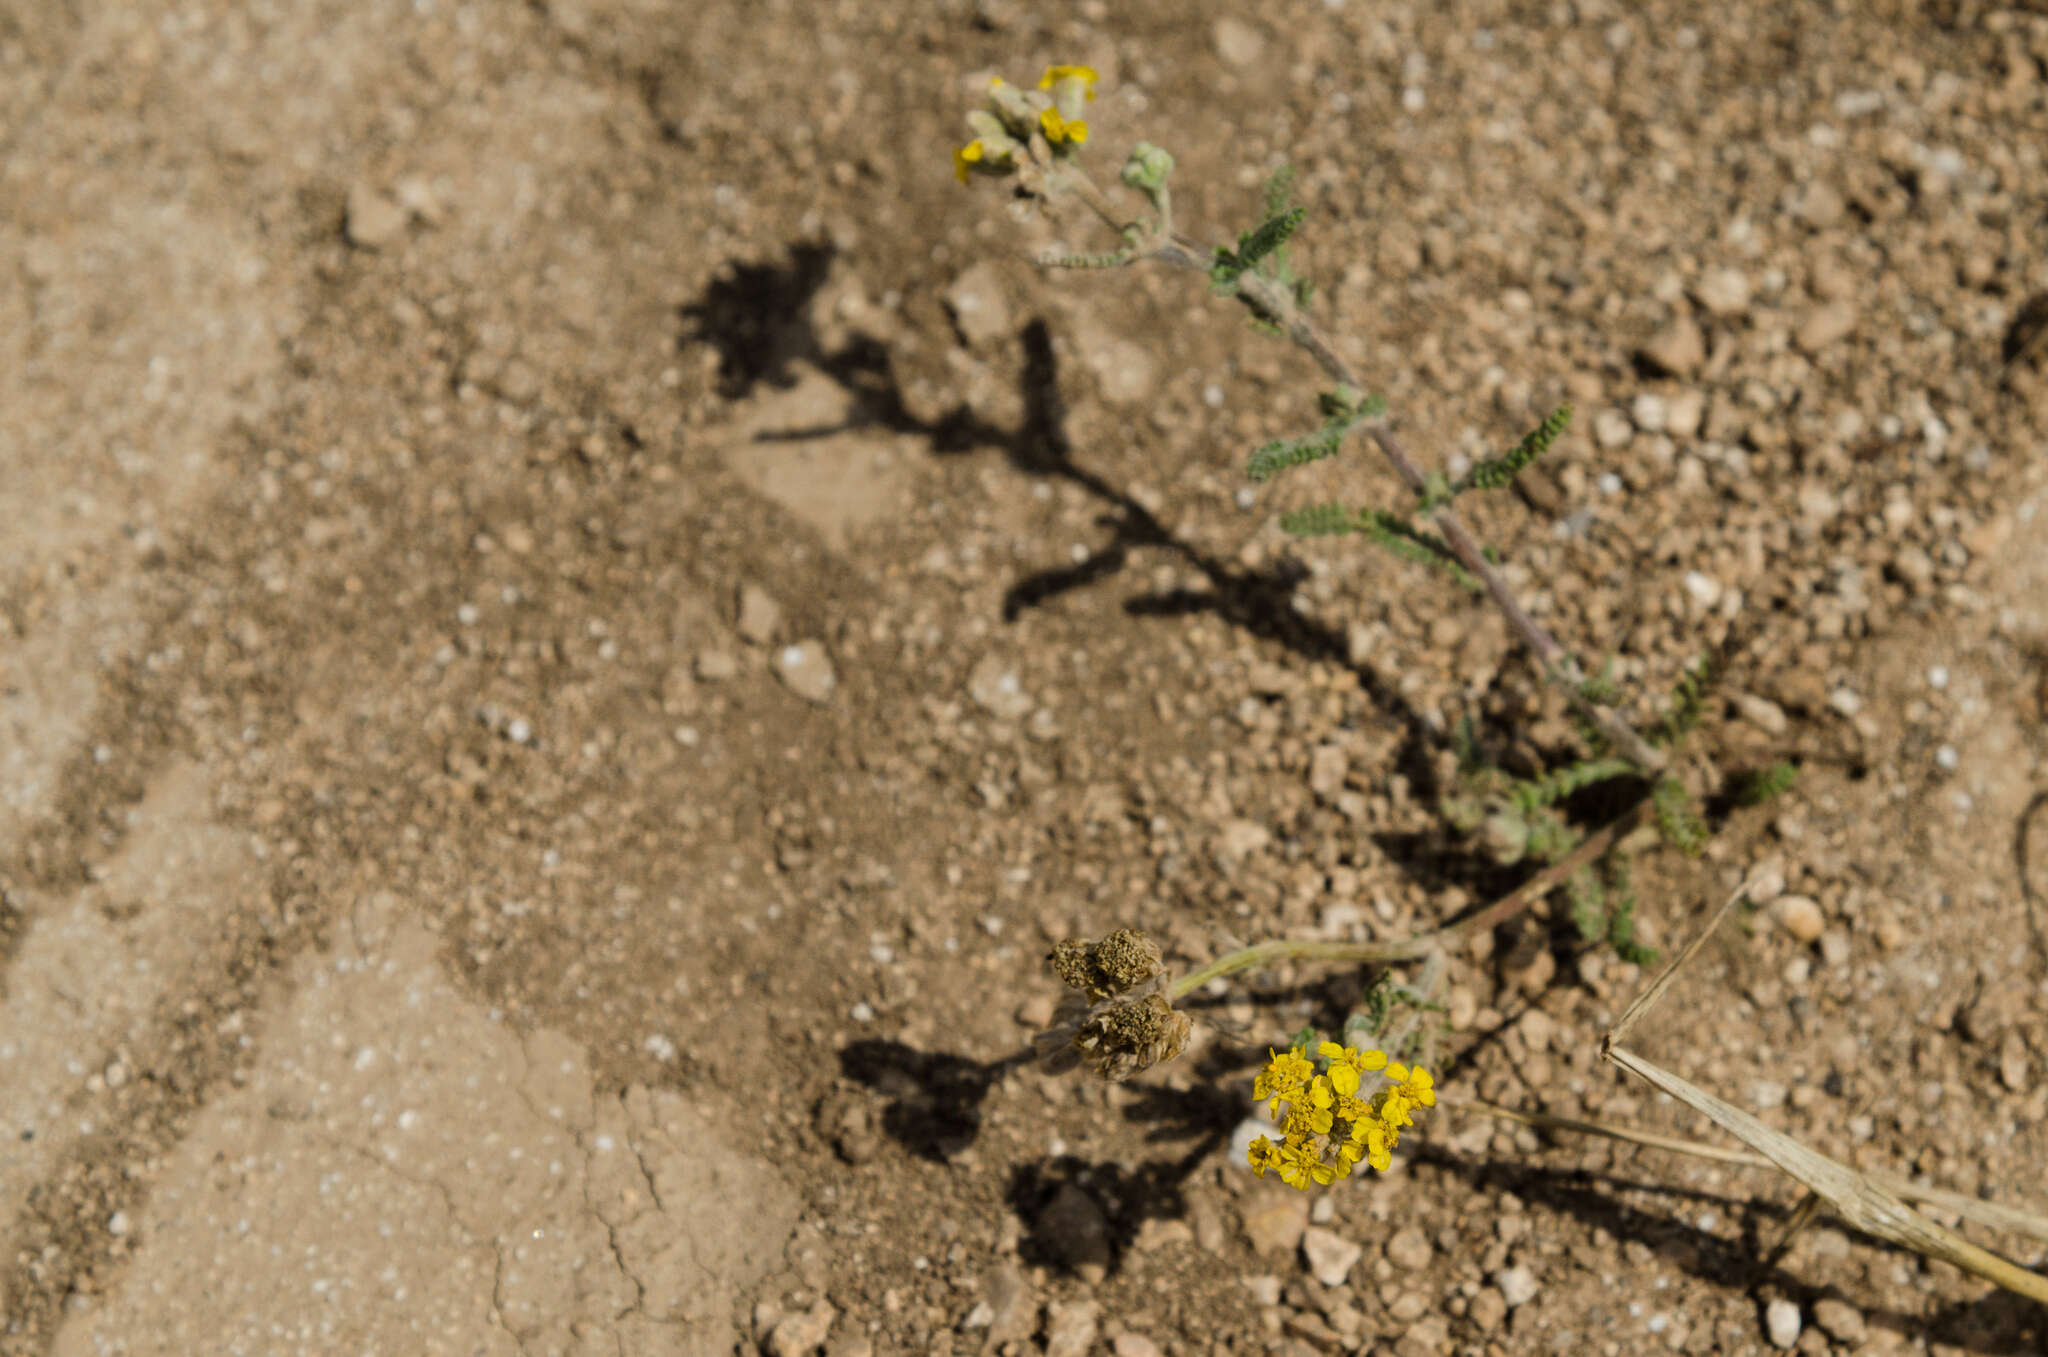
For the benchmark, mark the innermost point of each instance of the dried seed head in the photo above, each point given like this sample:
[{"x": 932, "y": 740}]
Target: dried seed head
[
  {"x": 1129, "y": 1036},
  {"x": 1118, "y": 964},
  {"x": 1125, "y": 1023}
]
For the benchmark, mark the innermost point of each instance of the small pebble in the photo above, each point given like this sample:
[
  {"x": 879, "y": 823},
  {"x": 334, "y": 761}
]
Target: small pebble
[
  {"x": 1517, "y": 1285},
  {"x": 1704, "y": 588},
  {"x": 1782, "y": 1323},
  {"x": 1410, "y": 1249},
  {"x": 1330, "y": 1255},
  {"x": 1611, "y": 429},
  {"x": 118, "y": 1224},
  {"x": 807, "y": 671},
  {"x": 1947, "y": 759},
  {"x": 1800, "y": 915}
]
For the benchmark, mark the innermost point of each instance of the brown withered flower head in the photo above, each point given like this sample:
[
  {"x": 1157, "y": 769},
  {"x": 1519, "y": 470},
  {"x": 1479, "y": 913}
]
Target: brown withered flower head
[{"x": 1116, "y": 1015}]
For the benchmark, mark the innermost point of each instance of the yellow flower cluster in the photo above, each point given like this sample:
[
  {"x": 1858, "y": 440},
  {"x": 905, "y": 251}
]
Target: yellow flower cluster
[
  {"x": 1316, "y": 1103},
  {"x": 1013, "y": 116}
]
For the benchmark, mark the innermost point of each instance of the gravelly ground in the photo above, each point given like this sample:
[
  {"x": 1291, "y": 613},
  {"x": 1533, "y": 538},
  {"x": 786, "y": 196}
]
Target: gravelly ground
[{"x": 574, "y": 620}]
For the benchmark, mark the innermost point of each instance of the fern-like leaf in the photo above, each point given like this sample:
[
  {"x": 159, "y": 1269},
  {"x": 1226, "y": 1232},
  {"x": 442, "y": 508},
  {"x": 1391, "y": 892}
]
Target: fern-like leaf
[
  {"x": 1554, "y": 787},
  {"x": 1496, "y": 472},
  {"x": 1268, "y": 236},
  {"x": 1676, "y": 819},
  {"x": 1283, "y": 453},
  {"x": 1320, "y": 520},
  {"x": 1758, "y": 785},
  {"x": 1688, "y": 702},
  {"x": 1409, "y": 542},
  {"x": 1589, "y": 904}
]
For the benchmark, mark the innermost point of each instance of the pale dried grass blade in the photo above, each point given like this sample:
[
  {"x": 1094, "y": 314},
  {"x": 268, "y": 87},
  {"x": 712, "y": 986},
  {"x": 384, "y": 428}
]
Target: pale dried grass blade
[{"x": 1856, "y": 1199}]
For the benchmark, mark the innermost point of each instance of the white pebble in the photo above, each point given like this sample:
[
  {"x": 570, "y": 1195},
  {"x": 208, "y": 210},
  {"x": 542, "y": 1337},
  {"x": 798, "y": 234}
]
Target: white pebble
[
  {"x": 1782, "y": 1323},
  {"x": 1517, "y": 1285},
  {"x": 1649, "y": 412},
  {"x": 1946, "y": 758},
  {"x": 518, "y": 731},
  {"x": 1937, "y": 677},
  {"x": 660, "y": 1047},
  {"x": 862, "y": 1012},
  {"x": 118, "y": 1224},
  {"x": 466, "y": 614}
]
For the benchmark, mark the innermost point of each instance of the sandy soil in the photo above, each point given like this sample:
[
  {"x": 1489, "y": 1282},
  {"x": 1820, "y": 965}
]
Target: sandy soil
[{"x": 574, "y": 620}]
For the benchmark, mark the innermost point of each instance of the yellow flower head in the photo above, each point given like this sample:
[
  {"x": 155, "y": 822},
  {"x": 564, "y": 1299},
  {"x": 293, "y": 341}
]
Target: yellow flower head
[
  {"x": 1422, "y": 1087},
  {"x": 1055, "y": 74},
  {"x": 1348, "y": 1065},
  {"x": 1317, "y": 1103},
  {"x": 1058, "y": 129},
  {"x": 1285, "y": 1075},
  {"x": 966, "y": 158}
]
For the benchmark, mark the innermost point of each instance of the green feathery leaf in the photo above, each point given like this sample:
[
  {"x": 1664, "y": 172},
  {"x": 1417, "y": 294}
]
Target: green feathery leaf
[
  {"x": 1282, "y": 453},
  {"x": 1554, "y": 787},
  {"x": 1688, "y": 702},
  {"x": 1268, "y": 236},
  {"x": 1495, "y": 472},
  {"x": 1758, "y": 785},
  {"x": 1589, "y": 904},
  {"x": 1409, "y": 542},
  {"x": 1320, "y": 520},
  {"x": 1676, "y": 819}
]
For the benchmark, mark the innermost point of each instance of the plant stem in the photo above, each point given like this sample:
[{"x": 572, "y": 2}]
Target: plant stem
[
  {"x": 1273, "y": 301},
  {"x": 1500, "y": 911}
]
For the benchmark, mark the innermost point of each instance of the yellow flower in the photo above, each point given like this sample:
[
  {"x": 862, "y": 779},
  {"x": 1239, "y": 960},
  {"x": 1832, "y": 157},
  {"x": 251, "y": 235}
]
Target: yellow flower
[
  {"x": 966, "y": 158},
  {"x": 1284, "y": 1075},
  {"x": 1054, "y": 74},
  {"x": 1058, "y": 129},
  {"x": 1376, "y": 1141},
  {"x": 1264, "y": 1154},
  {"x": 1348, "y": 1065},
  {"x": 1422, "y": 1087},
  {"x": 1300, "y": 1167}
]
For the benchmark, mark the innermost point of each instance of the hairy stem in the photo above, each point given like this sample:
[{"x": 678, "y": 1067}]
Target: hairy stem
[
  {"x": 1273, "y": 301},
  {"x": 1423, "y": 944}
]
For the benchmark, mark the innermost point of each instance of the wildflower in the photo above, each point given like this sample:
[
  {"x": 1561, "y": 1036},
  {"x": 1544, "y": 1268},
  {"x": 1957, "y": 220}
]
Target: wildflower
[
  {"x": 1283, "y": 1076},
  {"x": 1348, "y": 1065},
  {"x": 966, "y": 158},
  {"x": 1055, "y": 74},
  {"x": 1311, "y": 1151},
  {"x": 1058, "y": 129},
  {"x": 1071, "y": 87}
]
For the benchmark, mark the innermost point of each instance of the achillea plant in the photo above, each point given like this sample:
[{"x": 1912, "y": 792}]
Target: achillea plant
[{"x": 1119, "y": 1014}]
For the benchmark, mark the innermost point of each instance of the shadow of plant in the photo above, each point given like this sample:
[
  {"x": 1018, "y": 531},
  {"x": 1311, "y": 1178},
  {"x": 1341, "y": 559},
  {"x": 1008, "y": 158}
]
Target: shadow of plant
[
  {"x": 1999, "y": 1325},
  {"x": 757, "y": 319},
  {"x": 934, "y": 1099}
]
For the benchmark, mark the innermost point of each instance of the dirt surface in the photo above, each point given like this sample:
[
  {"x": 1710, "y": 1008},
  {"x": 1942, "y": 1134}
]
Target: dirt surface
[{"x": 574, "y": 620}]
